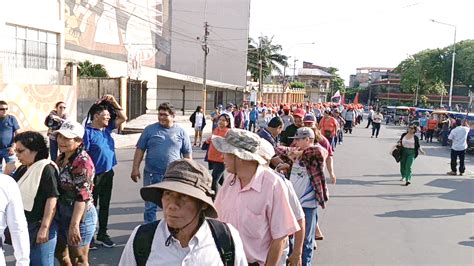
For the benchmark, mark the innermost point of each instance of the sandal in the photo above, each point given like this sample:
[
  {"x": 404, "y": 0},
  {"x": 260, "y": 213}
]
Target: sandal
[{"x": 319, "y": 238}]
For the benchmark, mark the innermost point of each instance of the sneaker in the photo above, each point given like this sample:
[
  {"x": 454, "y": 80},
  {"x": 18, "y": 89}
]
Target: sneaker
[
  {"x": 461, "y": 173},
  {"x": 105, "y": 241},
  {"x": 407, "y": 183},
  {"x": 451, "y": 173},
  {"x": 92, "y": 245}
]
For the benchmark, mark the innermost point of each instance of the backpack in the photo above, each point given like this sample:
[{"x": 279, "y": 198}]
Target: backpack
[{"x": 220, "y": 232}]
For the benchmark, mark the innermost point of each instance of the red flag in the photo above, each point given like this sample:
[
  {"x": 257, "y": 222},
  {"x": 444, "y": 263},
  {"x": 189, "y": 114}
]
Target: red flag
[{"x": 356, "y": 98}]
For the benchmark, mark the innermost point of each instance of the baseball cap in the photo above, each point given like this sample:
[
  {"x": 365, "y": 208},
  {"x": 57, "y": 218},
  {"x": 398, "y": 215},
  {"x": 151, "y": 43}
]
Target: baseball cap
[
  {"x": 299, "y": 112},
  {"x": 71, "y": 129},
  {"x": 304, "y": 132},
  {"x": 309, "y": 118}
]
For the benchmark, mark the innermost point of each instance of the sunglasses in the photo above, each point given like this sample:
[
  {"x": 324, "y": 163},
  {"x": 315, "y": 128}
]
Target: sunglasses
[{"x": 3, "y": 109}]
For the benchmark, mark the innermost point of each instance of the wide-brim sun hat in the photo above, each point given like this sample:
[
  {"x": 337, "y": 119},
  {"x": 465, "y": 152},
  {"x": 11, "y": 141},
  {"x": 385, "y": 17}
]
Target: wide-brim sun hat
[
  {"x": 187, "y": 177},
  {"x": 241, "y": 143}
]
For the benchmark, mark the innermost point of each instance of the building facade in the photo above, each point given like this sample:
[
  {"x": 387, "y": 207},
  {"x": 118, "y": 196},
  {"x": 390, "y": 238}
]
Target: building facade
[{"x": 317, "y": 84}]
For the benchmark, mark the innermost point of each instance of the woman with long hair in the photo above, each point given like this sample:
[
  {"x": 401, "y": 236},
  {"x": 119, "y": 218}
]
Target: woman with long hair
[
  {"x": 76, "y": 215},
  {"x": 198, "y": 122},
  {"x": 37, "y": 179},
  {"x": 410, "y": 148},
  {"x": 53, "y": 121},
  {"x": 214, "y": 157}
]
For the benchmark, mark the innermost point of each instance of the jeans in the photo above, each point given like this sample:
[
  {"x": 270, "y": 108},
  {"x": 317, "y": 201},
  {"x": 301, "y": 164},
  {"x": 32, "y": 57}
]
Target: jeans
[
  {"x": 86, "y": 226},
  {"x": 43, "y": 254},
  {"x": 369, "y": 121},
  {"x": 454, "y": 157},
  {"x": 252, "y": 125},
  {"x": 8, "y": 158},
  {"x": 311, "y": 218},
  {"x": 444, "y": 137},
  {"x": 150, "y": 208},
  {"x": 217, "y": 174},
  {"x": 340, "y": 136},
  {"x": 375, "y": 129},
  {"x": 246, "y": 124},
  {"x": 53, "y": 149},
  {"x": 102, "y": 193}
]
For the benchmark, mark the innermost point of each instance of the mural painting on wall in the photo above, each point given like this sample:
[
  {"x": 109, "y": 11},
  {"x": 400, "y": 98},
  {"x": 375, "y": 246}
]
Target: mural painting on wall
[
  {"x": 30, "y": 104},
  {"x": 136, "y": 31}
]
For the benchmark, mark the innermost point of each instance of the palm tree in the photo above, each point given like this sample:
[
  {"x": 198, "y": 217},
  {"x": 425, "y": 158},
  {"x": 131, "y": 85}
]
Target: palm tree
[
  {"x": 87, "y": 69},
  {"x": 267, "y": 53}
]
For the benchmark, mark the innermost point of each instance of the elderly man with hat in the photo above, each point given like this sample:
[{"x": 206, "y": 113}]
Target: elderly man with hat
[
  {"x": 254, "y": 198},
  {"x": 186, "y": 235},
  {"x": 290, "y": 131}
]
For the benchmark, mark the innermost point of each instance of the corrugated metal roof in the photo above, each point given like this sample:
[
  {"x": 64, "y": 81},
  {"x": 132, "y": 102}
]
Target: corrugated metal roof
[{"x": 313, "y": 72}]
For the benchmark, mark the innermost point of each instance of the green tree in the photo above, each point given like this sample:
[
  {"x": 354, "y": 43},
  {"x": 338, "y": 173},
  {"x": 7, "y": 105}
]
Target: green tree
[
  {"x": 266, "y": 52},
  {"x": 87, "y": 69},
  {"x": 300, "y": 85},
  {"x": 337, "y": 83}
]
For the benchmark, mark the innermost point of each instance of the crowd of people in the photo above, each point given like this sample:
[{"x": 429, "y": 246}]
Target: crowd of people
[{"x": 256, "y": 202}]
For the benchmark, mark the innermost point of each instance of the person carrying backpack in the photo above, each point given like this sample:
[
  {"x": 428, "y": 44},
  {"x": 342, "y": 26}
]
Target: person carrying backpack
[{"x": 187, "y": 234}]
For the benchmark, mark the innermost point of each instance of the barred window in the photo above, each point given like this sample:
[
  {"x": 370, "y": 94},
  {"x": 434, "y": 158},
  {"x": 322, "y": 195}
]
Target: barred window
[{"x": 32, "y": 48}]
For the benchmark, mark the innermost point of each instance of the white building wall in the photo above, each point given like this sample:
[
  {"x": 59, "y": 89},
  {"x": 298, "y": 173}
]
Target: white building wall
[{"x": 228, "y": 38}]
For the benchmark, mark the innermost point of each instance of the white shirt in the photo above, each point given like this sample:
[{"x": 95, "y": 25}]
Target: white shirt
[
  {"x": 377, "y": 118},
  {"x": 198, "y": 121},
  {"x": 459, "y": 137},
  {"x": 201, "y": 249},
  {"x": 302, "y": 184},
  {"x": 13, "y": 216},
  {"x": 408, "y": 143}
]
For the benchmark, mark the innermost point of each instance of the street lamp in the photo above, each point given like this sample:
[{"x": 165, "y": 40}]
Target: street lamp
[{"x": 452, "y": 64}]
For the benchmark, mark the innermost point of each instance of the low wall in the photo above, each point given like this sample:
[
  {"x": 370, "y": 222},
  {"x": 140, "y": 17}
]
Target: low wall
[{"x": 30, "y": 104}]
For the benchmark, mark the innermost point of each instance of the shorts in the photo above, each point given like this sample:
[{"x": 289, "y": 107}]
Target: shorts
[
  {"x": 86, "y": 226},
  {"x": 198, "y": 128}
]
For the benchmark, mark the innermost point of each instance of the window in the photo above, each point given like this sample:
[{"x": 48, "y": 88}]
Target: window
[{"x": 32, "y": 48}]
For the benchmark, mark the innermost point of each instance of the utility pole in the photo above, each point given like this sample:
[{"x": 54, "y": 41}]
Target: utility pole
[
  {"x": 294, "y": 68},
  {"x": 260, "y": 80},
  {"x": 205, "y": 48}
]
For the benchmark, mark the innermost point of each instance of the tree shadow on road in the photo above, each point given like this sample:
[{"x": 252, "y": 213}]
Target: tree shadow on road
[
  {"x": 462, "y": 189},
  {"x": 386, "y": 182},
  {"x": 398, "y": 175},
  {"x": 468, "y": 243},
  {"x": 427, "y": 213}
]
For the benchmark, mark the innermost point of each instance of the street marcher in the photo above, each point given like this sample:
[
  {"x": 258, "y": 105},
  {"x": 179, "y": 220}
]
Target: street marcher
[
  {"x": 253, "y": 116},
  {"x": 13, "y": 216},
  {"x": 37, "y": 179},
  {"x": 410, "y": 149},
  {"x": 340, "y": 120},
  {"x": 377, "y": 119},
  {"x": 445, "y": 125},
  {"x": 239, "y": 117},
  {"x": 307, "y": 176},
  {"x": 106, "y": 115},
  {"x": 76, "y": 215},
  {"x": 458, "y": 136},
  {"x": 370, "y": 116},
  {"x": 423, "y": 125},
  {"x": 8, "y": 129},
  {"x": 229, "y": 111},
  {"x": 272, "y": 131},
  {"x": 286, "y": 117},
  {"x": 215, "y": 115},
  {"x": 254, "y": 198},
  {"x": 214, "y": 157},
  {"x": 329, "y": 127},
  {"x": 349, "y": 116},
  {"x": 246, "y": 112},
  {"x": 163, "y": 142},
  {"x": 290, "y": 131},
  {"x": 54, "y": 121},
  {"x": 186, "y": 235},
  {"x": 430, "y": 129},
  {"x": 198, "y": 122}
]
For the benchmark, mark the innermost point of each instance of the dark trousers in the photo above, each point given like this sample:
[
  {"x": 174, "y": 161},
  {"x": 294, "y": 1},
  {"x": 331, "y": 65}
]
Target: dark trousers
[
  {"x": 217, "y": 174},
  {"x": 375, "y": 129},
  {"x": 252, "y": 126},
  {"x": 454, "y": 157},
  {"x": 369, "y": 121},
  {"x": 348, "y": 127},
  {"x": 429, "y": 135},
  {"x": 102, "y": 193}
]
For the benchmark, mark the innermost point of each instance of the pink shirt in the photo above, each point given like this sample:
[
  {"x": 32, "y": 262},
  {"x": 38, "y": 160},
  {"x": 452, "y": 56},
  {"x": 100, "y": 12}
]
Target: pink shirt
[{"x": 260, "y": 211}]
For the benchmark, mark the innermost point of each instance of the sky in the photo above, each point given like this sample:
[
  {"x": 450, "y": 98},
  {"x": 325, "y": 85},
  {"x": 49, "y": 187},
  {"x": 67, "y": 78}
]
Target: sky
[{"x": 365, "y": 33}]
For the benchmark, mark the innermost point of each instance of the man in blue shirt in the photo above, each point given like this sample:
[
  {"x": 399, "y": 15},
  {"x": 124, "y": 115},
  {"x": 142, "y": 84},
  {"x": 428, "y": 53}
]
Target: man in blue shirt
[
  {"x": 100, "y": 145},
  {"x": 164, "y": 142},
  {"x": 272, "y": 131},
  {"x": 253, "y": 116},
  {"x": 8, "y": 129}
]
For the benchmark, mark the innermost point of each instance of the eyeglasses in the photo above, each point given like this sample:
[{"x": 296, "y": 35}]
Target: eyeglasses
[
  {"x": 3, "y": 109},
  {"x": 19, "y": 151}
]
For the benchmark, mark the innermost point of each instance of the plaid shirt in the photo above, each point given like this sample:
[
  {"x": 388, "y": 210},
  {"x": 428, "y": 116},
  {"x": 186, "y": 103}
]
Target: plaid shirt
[{"x": 313, "y": 159}]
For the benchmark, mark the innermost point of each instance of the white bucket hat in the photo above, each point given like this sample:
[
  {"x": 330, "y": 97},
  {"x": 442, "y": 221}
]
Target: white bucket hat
[{"x": 241, "y": 143}]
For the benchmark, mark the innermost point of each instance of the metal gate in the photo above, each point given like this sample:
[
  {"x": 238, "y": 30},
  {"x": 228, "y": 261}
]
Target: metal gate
[{"x": 136, "y": 100}]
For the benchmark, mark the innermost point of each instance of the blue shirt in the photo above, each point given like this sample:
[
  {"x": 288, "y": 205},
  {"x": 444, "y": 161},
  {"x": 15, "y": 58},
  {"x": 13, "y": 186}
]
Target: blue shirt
[
  {"x": 8, "y": 126},
  {"x": 163, "y": 146},
  {"x": 265, "y": 134},
  {"x": 253, "y": 114},
  {"x": 100, "y": 145},
  {"x": 423, "y": 121}
]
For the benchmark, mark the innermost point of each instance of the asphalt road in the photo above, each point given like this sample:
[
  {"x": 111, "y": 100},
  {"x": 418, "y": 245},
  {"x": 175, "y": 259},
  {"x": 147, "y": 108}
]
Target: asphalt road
[{"x": 370, "y": 219}]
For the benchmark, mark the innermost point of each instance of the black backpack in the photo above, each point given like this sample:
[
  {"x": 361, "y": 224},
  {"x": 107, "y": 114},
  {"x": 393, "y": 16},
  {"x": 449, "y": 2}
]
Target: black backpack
[{"x": 220, "y": 232}]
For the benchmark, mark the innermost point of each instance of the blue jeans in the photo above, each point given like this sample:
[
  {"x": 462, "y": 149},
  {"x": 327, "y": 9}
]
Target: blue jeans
[
  {"x": 8, "y": 158},
  {"x": 43, "y": 254},
  {"x": 53, "y": 149},
  {"x": 86, "y": 226},
  {"x": 311, "y": 218},
  {"x": 150, "y": 207}
]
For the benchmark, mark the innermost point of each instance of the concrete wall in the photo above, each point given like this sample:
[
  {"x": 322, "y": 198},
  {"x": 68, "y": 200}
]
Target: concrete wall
[{"x": 228, "y": 39}]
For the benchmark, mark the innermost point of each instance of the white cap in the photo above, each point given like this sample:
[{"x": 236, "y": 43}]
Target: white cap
[{"x": 71, "y": 129}]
